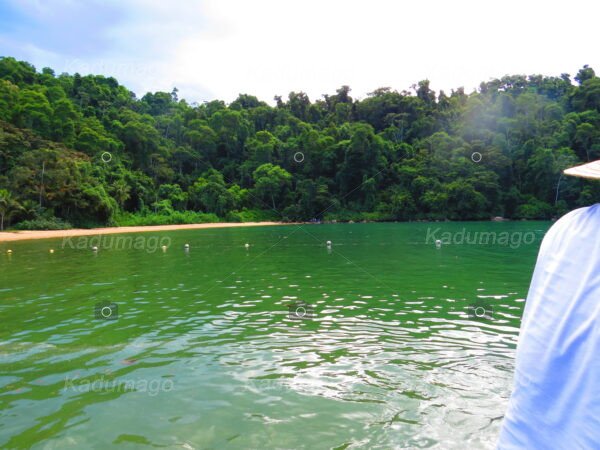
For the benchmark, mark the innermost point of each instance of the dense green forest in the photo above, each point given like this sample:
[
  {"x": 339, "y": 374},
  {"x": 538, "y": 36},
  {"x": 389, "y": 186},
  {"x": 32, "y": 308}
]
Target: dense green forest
[{"x": 84, "y": 151}]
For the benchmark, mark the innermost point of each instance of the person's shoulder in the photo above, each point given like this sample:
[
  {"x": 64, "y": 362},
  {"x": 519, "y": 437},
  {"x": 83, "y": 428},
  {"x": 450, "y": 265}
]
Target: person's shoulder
[
  {"x": 577, "y": 213},
  {"x": 577, "y": 217},
  {"x": 588, "y": 212}
]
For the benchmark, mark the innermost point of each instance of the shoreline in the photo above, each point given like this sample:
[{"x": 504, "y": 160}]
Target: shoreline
[
  {"x": 11, "y": 236},
  {"x": 23, "y": 235}
]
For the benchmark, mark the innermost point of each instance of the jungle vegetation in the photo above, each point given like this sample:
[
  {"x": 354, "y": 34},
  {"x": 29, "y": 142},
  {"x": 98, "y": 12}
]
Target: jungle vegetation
[{"x": 84, "y": 151}]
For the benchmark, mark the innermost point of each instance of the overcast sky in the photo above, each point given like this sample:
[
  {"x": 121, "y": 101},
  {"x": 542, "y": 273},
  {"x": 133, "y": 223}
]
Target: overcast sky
[{"x": 216, "y": 49}]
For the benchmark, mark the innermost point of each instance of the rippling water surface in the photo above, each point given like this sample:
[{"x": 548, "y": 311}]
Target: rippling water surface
[{"x": 205, "y": 352}]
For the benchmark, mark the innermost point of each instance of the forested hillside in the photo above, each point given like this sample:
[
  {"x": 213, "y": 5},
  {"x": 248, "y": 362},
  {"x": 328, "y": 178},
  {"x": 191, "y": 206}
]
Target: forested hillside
[{"x": 84, "y": 151}]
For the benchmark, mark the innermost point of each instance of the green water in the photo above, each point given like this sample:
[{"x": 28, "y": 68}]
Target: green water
[{"x": 205, "y": 352}]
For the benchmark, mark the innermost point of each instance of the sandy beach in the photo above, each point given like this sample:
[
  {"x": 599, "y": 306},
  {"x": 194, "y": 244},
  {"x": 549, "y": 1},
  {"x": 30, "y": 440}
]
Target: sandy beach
[{"x": 9, "y": 236}]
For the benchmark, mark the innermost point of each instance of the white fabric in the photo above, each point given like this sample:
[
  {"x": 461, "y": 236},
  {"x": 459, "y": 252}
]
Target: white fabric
[{"x": 555, "y": 402}]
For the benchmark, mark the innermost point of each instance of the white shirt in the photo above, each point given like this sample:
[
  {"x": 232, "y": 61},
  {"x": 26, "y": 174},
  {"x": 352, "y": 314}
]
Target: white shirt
[{"x": 555, "y": 402}]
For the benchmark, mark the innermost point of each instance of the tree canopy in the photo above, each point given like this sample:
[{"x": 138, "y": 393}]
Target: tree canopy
[{"x": 85, "y": 150}]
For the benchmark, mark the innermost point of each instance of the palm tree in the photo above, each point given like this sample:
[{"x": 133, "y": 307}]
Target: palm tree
[
  {"x": 121, "y": 192},
  {"x": 8, "y": 206},
  {"x": 30, "y": 209}
]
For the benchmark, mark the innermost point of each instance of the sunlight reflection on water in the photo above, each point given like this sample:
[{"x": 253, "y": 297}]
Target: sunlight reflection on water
[{"x": 392, "y": 360}]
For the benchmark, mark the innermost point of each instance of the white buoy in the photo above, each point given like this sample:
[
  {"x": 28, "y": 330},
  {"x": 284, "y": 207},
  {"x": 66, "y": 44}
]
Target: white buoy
[
  {"x": 438, "y": 243},
  {"x": 247, "y": 246},
  {"x": 94, "y": 248}
]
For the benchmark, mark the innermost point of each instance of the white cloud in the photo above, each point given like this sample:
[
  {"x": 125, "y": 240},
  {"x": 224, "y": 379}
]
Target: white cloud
[
  {"x": 219, "y": 48},
  {"x": 268, "y": 47}
]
